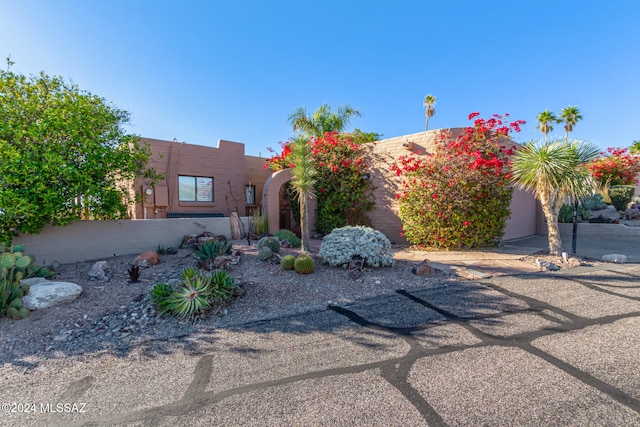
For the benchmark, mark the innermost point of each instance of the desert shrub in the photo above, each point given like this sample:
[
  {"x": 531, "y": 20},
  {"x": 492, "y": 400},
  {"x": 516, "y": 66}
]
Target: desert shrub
[
  {"x": 566, "y": 213},
  {"x": 260, "y": 223},
  {"x": 594, "y": 202},
  {"x": 615, "y": 167},
  {"x": 621, "y": 196},
  {"x": 341, "y": 244},
  {"x": 458, "y": 197},
  {"x": 289, "y": 236}
]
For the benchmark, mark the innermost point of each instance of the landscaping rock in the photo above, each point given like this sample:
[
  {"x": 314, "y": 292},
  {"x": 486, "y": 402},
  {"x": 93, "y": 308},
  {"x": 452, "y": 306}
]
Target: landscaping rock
[
  {"x": 423, "y": 269},
  {"x": 617, "y": 258},
  {"x": 146, "y": 259},
  {"x": 45, "y": 293},
  {"x": 609, "y": 215},
  {"x": 99, "y": 271}
]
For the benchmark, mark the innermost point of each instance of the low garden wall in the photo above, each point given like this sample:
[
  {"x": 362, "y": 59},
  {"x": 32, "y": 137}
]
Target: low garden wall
[{"x": 97, "y": 240}]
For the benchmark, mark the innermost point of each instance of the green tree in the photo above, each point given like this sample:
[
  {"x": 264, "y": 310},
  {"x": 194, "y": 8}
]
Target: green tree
[
  {"x": 635, "y": 147},
  {"x": 303, "y": 183},
  {"x": 323, "y": 120},
  {"x": 430, "y": 111},
  {"x": 546, "y": 120},
  {"x": 554, "y": 171},
  {"x": 569, "y": 116},
  {"x": 63, "y": 152}
]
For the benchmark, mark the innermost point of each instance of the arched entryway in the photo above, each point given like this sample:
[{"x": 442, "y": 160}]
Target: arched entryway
[{"x": 271, "y": 201}]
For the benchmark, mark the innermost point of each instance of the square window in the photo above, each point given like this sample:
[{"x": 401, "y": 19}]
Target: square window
[{"x": 195, "y": 189}]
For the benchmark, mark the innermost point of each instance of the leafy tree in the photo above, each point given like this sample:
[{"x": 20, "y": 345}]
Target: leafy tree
[
  {"x": 429, "y": 102},
  {"x": 322, "y": 121},
  {"x": 635, "y": 147},
  {"x": 554, "y": 171},
  {"x": 303, "y": 183},
  {"x": 546, "y": 120},
  {"x": 570, "y": 116},
  {"x": 63, "y": 154}
]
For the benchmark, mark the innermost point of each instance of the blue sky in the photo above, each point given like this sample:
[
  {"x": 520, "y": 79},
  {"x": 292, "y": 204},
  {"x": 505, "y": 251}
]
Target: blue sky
[{"x": 200, "y": 71}]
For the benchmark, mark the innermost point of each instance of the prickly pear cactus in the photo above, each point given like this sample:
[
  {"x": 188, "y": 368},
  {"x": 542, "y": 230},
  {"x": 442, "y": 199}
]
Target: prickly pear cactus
[
  {"x": 303, "y": 264},
  {"x": 287, "y": 261},
  {"x": 271, "y": 242},
  {"x": 13, "y": 267},
  {"x": 265, "y": 253}
]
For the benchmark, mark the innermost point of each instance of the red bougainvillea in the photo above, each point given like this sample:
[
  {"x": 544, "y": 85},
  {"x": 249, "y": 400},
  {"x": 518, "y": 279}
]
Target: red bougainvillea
[
  {"x": 615, "y": 167},
  {"x": 343, "y": 195},
  {"x": 458, "y": 196}
]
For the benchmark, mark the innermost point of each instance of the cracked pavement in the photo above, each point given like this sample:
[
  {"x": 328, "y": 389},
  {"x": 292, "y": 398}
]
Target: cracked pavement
[{"x": 527, "y": 350}]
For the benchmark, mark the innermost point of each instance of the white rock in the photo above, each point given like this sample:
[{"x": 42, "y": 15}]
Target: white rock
[
  {"x": 44, "y": 293},
  {"x": 617, "y": 258}
]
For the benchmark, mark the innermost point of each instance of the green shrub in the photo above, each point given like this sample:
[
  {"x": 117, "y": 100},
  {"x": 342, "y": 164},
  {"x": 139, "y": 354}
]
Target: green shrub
[
  {"x": 341, "y": 244},
  {"x": 594, "y": 202},
  {"x": 458, "y": 197},
  {"x": 260, "y": 223},
  {"x": 289, "y": 236},
  {"x": 566, "y": 213},
  {"x": 621, "y": 196}
]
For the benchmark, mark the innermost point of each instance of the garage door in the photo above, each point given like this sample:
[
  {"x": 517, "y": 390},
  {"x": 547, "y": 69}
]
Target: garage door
[{"x": 523, "y": 216}]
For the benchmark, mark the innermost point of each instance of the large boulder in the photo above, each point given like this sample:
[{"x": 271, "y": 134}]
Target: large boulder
[
  {"x": 44, "y": 293},
  {"x": 146, "y": 259}
]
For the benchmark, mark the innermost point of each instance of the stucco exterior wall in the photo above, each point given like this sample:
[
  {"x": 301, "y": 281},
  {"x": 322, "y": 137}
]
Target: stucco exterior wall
[
  {"x": 256, "y": 175},
  {"x": 382, "y": 154},
  {"x": 94, "y": 240},
  {"x": 226, "y": 164}
]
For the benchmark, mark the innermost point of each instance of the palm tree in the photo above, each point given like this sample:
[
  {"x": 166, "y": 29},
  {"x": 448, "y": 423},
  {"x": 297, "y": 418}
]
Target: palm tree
[
  {"x": 635, "y": 147},
  {"x": 303, "y": 183},
  {"x": 429, "y": 102},
  {"x": 570, "y": 116},
  {"x": 545, "y": 120},
  {"x": 323, "y": 120},
  {"x": 554, "y": 171}
]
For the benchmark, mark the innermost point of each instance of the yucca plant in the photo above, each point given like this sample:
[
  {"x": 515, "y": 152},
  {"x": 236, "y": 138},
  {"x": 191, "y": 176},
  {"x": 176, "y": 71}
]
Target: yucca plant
[{"x": 212, "y": 248}]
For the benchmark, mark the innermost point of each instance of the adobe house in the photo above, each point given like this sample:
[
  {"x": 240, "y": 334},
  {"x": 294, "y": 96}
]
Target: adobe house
[
  {"x": 526, "y": 218},
  {"x": 215, "y": 181},
  {"x": 200, "y": 181}
]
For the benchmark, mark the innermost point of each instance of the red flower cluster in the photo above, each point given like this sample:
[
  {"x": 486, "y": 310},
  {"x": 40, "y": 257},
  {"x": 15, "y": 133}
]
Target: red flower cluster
[
  {"x": 459, "y": 195},
  {"x": 616, "y": 167}
]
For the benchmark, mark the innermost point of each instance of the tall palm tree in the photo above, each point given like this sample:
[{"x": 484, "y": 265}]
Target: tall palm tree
[
  {"x": 546, "y": 120},
  {"x": 303, "y": 183},
  {"x": 570, "y": 116},
  {"x": 429, "y": 102},
  {"x": 554, "y": 171},
  {"x": 323, "y": 120}
]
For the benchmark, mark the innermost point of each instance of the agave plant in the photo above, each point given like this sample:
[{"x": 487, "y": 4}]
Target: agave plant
[
  {"x": 192, "y": 298},
  {"x": 160, "y": 294},
  {"x": 222, "y": 285},
  {"x": 211, "y": 248}
]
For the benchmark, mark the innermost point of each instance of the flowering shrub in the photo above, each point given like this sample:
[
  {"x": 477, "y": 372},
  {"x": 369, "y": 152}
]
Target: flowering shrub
[
  {"x": 343, "y": 196},
  {"x": 341, "y": 244},
  {"x": 458, "y": 196},
  {"x": 615, "y": 167}
]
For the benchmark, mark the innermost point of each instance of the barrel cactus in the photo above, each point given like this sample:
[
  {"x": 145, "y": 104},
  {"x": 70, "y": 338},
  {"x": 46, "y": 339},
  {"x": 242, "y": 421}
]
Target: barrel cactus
[
  {"x": 265, "y": 253},
  {"x": 287, "y": 262},
  {"x": 271, "y": 242},
  {"x": 303, "y": 264}
]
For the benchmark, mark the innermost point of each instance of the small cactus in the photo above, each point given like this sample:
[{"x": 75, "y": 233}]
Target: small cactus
[
  {"x": 287, "y": 261},
  {"x": 303, "y": 264},
  {"x": 265, "y": 253},
  {"x": 271, "y": 242}
]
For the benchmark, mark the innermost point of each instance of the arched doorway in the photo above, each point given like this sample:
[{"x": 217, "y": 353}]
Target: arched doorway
[{"x": 271, "y": 201}]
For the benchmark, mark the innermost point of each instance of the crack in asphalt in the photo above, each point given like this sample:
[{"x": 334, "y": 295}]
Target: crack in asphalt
[{"x": 396, "y": 370}]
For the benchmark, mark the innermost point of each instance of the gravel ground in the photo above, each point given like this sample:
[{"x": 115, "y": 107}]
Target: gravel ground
[{"x": 117, "y": 315}]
